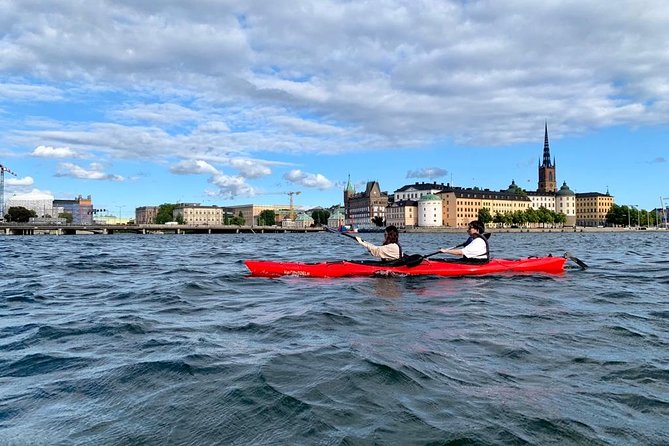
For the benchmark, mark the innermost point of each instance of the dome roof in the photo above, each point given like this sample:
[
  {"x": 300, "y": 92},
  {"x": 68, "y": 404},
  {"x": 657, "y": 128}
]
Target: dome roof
[
  {"x": 565, "y": 191},
  {"x": 430, "y": 197}
]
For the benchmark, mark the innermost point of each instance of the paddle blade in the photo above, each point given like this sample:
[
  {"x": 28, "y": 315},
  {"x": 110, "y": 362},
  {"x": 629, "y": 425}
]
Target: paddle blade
[{"x": 576, "y": 260}]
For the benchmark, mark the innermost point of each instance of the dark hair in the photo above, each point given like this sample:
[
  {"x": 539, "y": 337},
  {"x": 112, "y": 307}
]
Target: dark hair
[
  {"x": 391, "y": 235},
  {"x": 476, "y": 224}
]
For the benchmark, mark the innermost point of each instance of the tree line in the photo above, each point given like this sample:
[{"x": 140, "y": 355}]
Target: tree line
[
  {"x": 523, "y": 217},
  {"x": 632, "y": 216}
]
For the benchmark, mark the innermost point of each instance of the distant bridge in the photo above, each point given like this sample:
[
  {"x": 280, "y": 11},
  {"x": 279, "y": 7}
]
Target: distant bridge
[{"x": 55, "y": 229}]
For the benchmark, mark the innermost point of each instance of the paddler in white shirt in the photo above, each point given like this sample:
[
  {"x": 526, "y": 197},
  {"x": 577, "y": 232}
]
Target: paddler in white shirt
[
  {"x": 476, "y": 247},
  {"x": 390, "y": 250}
]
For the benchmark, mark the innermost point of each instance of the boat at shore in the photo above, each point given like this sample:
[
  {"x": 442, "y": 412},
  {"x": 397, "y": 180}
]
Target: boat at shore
[{"x": 433, "y": 267}]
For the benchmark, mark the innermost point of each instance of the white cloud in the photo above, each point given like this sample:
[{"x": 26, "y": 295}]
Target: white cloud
[
  {"x": 54, "y": 152},
  {"x": 94, "y": 172},
  {"x": 308, "y": 179},
  {"x": 330, "y": 76},
  {"x": 427, "y": 172},
  {"x": 25, "y": 181},
  {"x": 230, "y": 187},
  {"x": 250, "y": 168},
  {"x": 159, "y": 113},
  {"x": 193, "y": 167},
  {"x": 34, "y": 194}
]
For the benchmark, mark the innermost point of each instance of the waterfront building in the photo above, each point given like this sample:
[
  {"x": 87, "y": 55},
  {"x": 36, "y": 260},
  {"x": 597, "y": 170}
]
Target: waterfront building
[
  {"x": 417, "y": 190},
  {"x": 80, "y": 208},
  {"x": 430, "y": 211},
  {"x": 146, "y": 215},
  {"x": 547, "y": 178},
  {"x": 362, "y": 207},
  {"x": 592, "y": 207},
  {"x": 251, "y": 212},
  {"x": 40, "y": 202},
  {"x": 304, "y": 220},
  {"x": 196, "y": 214},
  {"x": 462, "y": 205},
  {"x": 565, "y": 203},
  {"x": 337, "y": 219},
  {"x": 402, "y": 214}
]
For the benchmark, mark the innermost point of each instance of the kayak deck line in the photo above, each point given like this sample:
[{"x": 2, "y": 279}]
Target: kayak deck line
[{"x": 433, "y": 267}]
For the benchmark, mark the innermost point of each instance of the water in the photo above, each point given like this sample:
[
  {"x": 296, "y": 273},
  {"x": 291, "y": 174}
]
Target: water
[{"x": 162, "y": 339}]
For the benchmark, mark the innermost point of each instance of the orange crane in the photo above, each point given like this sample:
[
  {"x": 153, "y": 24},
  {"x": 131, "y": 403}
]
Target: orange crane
[{"x": 3, "y": 169}]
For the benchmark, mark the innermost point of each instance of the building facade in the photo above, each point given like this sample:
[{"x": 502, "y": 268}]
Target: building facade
[
  {"x": 402, "y": 214},
  {"x": 80, "y": 208},
  {"x": 251, "y": 212},
  {"x": 146, "y": 215},
  {"x": 41, "y": 203},
  {"x": 462, "y": 205},
  {"x": 592, "y": 207},
  {"x": 417, "y": 190},
  {"x": 195, "y": 214},
  {"x": 547, "y": 178},
  {"x": 430, "y": 211},
  {"x": 362, "y": 207}
]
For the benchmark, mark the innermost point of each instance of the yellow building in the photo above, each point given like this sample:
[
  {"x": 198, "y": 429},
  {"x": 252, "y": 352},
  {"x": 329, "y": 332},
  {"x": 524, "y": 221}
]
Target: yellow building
[
  {"x": 250, "y": 212},
  {"x": 402, "y": 214},
  {"x": 460, "y": 205},
  {"x": 195, "y": 214},
  {"x": 592, "y": 207}
]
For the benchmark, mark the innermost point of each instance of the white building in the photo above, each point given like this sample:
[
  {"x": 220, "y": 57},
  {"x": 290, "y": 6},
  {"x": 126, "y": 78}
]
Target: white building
[
  {"x": 430, "y": 211},
  {"x": 565, "y": 202},
  {"x": 40, "y": 202}
]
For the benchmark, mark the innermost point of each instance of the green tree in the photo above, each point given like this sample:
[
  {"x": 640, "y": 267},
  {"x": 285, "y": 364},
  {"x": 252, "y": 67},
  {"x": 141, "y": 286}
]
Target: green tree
[
  {"x": 377, "y": 220},
  {"x": 238, "y": 220},
  {"x": 620, "y": 215},
  {"x": 19, "y": 214},
  {"x": 165, "y": 211},
  {"x": 267, "y": 217},
  {"x": 484, "y": 216},
  {"x": 320, "y": 216},
  {"x": 67, "y": 216},
  {"x": 560, "y": 218}
]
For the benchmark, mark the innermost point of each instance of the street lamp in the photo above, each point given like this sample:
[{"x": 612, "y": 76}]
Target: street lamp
[{"x": 119, "y": 213}]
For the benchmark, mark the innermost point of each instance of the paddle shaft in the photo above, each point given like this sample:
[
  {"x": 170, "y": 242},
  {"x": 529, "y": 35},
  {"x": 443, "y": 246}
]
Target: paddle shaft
[{"x": 340, "y": 233}]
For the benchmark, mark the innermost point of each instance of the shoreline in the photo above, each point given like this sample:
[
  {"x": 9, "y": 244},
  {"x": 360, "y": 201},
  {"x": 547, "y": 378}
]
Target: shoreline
[{"x": 536, "y": 230}]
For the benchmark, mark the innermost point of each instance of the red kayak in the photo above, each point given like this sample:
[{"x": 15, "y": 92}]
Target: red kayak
[{"x": 344, "y": 268}]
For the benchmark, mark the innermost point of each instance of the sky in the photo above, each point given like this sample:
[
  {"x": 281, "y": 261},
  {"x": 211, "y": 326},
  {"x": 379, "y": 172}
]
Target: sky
[{"x": 237, "y": 102}]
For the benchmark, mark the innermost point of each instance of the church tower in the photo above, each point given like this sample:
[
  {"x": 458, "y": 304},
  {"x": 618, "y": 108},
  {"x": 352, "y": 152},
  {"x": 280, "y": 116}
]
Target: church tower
[
  {"x": 348, "y": 193},
  {"x": 547, "y": 180}
]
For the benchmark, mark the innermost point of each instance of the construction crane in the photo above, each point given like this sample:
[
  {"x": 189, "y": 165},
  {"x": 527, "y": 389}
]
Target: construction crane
[
  {"x": 292, "y": 211},
  {"x": 3, "y": 169}
]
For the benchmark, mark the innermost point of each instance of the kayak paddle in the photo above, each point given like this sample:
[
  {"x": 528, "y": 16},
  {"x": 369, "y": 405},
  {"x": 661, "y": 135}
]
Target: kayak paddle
[
  {"x": 567, "y": 255},
  {"x": 334, "y": 231},
  {"x": 415, "y": 259}
]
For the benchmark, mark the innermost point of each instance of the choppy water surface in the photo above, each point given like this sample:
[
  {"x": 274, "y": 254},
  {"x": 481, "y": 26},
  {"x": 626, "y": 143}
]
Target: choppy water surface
[{"x": 162, "y": 339}]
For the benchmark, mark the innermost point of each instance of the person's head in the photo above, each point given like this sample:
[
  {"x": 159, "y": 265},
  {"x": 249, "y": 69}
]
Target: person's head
[
  {"x": 391, "y": 235},
  {"x": 476, "y": 226}
]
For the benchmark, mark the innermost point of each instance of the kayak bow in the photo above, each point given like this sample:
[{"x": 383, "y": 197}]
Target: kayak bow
[{"x": 346, "y": 268}]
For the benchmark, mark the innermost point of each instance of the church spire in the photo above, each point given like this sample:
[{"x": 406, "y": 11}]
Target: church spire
[{"x": 547, "y": 150}]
